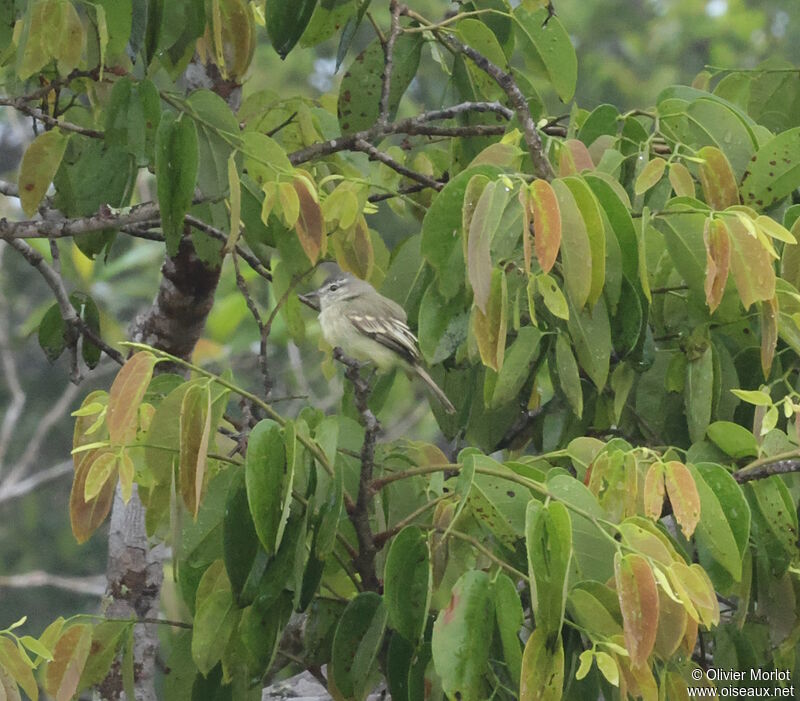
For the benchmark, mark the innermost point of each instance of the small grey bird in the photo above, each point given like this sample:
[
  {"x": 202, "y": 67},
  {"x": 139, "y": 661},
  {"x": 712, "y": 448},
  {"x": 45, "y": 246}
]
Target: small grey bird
[{"x": 369, "y": 327}]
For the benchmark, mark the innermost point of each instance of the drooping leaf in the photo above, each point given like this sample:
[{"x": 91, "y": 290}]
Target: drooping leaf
[
  {"x": 751, "y": 264},
  {"x": 356, "y": 644},
  {"x": 38, "y": 168},
  {"x": 683, "y": 496},
  {"x": 483, "y": 224},
  {"x": 568, "y": 374},
  {"x": 309, "y": 225},
  {"x": 286, "y": 22},
  {"x": 265, "y": 466},
  {"x": 100, "y": 471},
  {"x": 768, "y": 317},
  {"x": 19, "y": 668},
  {"x": 654, "y": 490},
  {"x": 508, "y": 610},
  {"x": 638, "y": 601},
  {"x": 69, "y": 657},
  {"x": 546, "y": 37},
  {"x": 517, "y": 364},
  {"x": 592, "y": 217},
  {"x": 699, "y": 392},
  {"x": 591, "y": 334},
  {"x": 553, "y": 297},
  {"x": 542, "y": 667},
  {"x": 125, "y": 396},
  {"x": 462, "y": 637},
  {"x": 681, "y": 180},
  {"x": 215, "y": 619},
  {"x": 407, "y": 583},
  {"x": 718, "y": 258},
  {"x": 195, "y": 429},
  {"x": 546, "y": 223},
  {"x": 86, "y": 516},
  {"x": 548, "y": 536},
  {"x": 176, "y": 174},
  {"x": 717, "y": 179},
  {"x": 490, "y": 328},
  {"x": 576, "y": 252}
]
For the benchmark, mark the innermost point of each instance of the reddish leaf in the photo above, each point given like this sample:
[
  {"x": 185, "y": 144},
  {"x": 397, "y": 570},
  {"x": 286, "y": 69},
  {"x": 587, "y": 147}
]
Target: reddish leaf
[
  {"x": 751, "y": 265},
  {"x": 717, "y": 179},
  {"x": 69, "y": 657},
  {"x": 681, "y": 180},
  {"x": 310, "y": 226},
  {"x": 718, "y": 259},
  {"x": 195, "y": 426},
  {"x": 683, "y": 496},
  {"x": 650, "y": 175},
  {"x": 546, "y": 223},
  {"x": 638, "y": 601},
  {"x": 654, "y": 491},
  {"x": 769, "y": 333},
  {"x": 574, "y": 158},
  {"x": 353, "y": 248},
  {"x": 126, "y": 395},
  {"x": 86, "y": 516}
]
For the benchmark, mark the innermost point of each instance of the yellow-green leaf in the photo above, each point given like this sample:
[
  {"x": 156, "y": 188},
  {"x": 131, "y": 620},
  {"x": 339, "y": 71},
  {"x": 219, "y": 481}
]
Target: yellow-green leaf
[
  {"x": 717, "y": 178},
  {"x": 490, "y": 328},
  {"x": 576, "y": 251},
  {"x": 69, "y": 658},
  {"x": 100, "y": 470},
  {"x": 718, "y": 259},
  {"x": 650, "y": 175},
  {"x": 542, "y": 667},
  {"x": 126, "y": 395},
  {"x": 681, "y": 180},
  {"x": 39, "y": 165}
]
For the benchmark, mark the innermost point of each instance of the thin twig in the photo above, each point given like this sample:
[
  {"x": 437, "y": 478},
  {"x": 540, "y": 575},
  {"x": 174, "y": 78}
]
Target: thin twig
[
  {"x": 29, "y": 484},
  {"x": 220, "y": 235},
  {"x": 21, "y": 105},
  {"x": 93, "y": 586},
  {"x": 386, "y": 159},
  {"x": 388, "y": 63},
  {"x": 262, "y": 331},
  {"x": 359, "y": 516}
]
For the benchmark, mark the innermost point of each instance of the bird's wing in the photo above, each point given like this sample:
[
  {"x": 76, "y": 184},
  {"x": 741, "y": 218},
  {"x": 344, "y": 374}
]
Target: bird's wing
[{"x": 390, "y": 332}]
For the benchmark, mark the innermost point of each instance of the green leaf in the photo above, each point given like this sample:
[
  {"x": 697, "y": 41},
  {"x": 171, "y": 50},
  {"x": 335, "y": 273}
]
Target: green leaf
[
  {"x": 360, "y": 90},
  {"x": 544, "y": 36},
  {"x": 774, "y": 171},
  {"x": 650, "y": 175},
  {"x": 38, "y": 168},
  {"x": 51, "y": 333},
  {"x": 442, "y": 326},
  {"x": 714, "y": 534},
  {"x": 553, "y": 297},
  {"x": 106, "y": 642},
  {"x": 18, "y": 667},
  {"x": 462, "y": 636},
  {"x": 132, "y": 118},
  {"x": 357, "y": 643},
  {"x": 215, "y": 620},
  {"x": 240, "y": 544},
  {"x": 286, "y": 22},
  {"x": 751, "y": 264},
  {"x": 510, "y": 618},
  {"x": 542, "y": 667},
  {"x": 176, "y": 174},
  {"x": 548, "y": 538},
  {"x": 407, "y": 583},
  {"x": 775, "y": 521},
  {"x": 576, "y": 250},
  {"x": 698, "y": 393},
  {"x": 593, "y": 221},
  {"x": 265, "y": 465},
  {"x": 733, "y": 439},
  {"x": 591, "y": 334},
  {"x": 568, "y": 375},
  {"x": 517, "y": 365},
  {"x": 195, "y": 429}
]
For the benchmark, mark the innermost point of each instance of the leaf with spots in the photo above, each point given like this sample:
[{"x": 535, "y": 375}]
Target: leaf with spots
[
  {"x": 683, "y": 496},
  {"x": 717, "y": 179},
  {"x": 360, "y": 90},
  {"x": 38, "y": 168},
  {"x": 774, "y": 172},
  {"x": 638, "y": 601},
  {"x": 462, "y": 636},
  {"x": 654, "y": 489},
  {"x": 542, "y": 676}
]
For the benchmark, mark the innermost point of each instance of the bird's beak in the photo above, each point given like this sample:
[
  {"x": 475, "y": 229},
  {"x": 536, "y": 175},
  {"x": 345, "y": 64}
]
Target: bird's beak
[{"x": 310, "y": 300}]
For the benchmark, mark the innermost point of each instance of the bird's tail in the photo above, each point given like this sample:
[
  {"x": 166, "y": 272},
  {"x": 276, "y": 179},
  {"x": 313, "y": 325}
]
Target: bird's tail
[{"x": 437, "y": 391}]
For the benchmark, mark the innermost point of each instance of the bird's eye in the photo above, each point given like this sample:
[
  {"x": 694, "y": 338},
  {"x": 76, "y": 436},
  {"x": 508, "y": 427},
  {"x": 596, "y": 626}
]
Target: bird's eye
[{"x": 333, "y": 287}]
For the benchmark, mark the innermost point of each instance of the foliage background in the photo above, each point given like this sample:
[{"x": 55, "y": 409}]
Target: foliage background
[{"x": 627, "y": 52}]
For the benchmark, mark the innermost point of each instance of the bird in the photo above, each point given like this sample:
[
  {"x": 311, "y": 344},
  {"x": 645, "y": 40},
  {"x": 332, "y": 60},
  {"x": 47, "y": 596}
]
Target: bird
[{"x": 369, "y": 327}]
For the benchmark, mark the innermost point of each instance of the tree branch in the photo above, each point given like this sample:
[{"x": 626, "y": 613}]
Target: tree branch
[
  {"x": 262, "y": 331},
  {"x": 21, "y": 105},
  {"x": 386, "y": 159},
  {"x": 92, "y": 586},
  {"x": 767, "y": 467},
  {"x": 388, "y": 52},
  {"x": 359, "y": 516}
]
